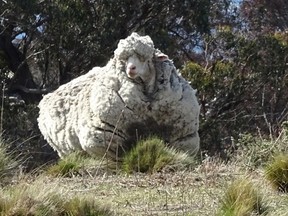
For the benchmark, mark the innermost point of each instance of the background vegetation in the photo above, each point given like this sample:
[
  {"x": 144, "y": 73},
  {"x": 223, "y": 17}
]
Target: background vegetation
[{"x": 234, "y": 52}]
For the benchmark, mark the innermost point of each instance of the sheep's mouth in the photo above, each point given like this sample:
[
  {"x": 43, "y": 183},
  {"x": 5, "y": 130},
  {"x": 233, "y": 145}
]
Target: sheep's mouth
[{"x": 131, "y": 75}]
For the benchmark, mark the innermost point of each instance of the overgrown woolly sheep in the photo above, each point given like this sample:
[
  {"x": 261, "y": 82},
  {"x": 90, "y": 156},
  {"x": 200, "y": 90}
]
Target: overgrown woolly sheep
[{"x": 109, "y": 108}]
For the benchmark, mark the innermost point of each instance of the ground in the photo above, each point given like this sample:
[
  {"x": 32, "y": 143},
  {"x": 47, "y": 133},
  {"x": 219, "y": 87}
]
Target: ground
[{"x": 192, "y": 192}]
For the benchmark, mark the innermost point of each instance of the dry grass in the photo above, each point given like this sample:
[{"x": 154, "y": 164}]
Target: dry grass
[
  {"x": 45, "y": 197},
  {"x": 8, "y": 164},
  {"x": 277, "y": 172},
  {"x": 174, "y": 193},
  {"x": 242, "y": 198},
  {"x": 197, "y": 190}
]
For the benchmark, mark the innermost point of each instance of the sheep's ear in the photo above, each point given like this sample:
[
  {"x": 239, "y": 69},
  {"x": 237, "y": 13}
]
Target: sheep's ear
[{"x": 161, "y": 57}]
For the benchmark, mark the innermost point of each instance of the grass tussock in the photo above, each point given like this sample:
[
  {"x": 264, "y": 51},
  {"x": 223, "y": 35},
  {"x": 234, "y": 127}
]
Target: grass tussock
[
  {"x": 68, "y": 166},
  {"x": 45, "y": 199},
  {"x": 277, "y": 172},
  {"x": 151, "y": 155},
  {"x": 86, "y": 206},
  {"x": 8, "y": 164},
  {"x": 81, "y": 164},
  {"x": 241, "y": 198}
]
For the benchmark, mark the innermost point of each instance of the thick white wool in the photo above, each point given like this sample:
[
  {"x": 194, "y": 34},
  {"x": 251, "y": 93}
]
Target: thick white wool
[
  {"x": 143, "y": 46},
  {"x": 104, "y": 109}
]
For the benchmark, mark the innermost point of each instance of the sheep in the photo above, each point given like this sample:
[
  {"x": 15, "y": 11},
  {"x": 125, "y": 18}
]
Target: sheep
[
  {"x": 104, "y": 112},
  {"x": 70, "y": 118}
]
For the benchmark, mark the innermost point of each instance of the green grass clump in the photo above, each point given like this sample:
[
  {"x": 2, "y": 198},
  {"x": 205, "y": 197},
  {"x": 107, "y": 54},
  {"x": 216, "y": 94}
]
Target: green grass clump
[
  {"x": 241, "y": 198},
  {"x": 68, "y": 166},
  {"x": 151, "y": 155},
  {"x": 86, "y": 206},
  {"x": 41, "y": 198},
  {"x": 79, "y": 164},
  {"x": 277, "y": 172}
]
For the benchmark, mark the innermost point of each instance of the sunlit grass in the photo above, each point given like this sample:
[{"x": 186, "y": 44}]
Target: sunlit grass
[
  {"x": 68, "y": 166},
  {"x": 151, "y": 155},
  {"x": 241, "y": 198},
  {"x": 277, "y": 172}
]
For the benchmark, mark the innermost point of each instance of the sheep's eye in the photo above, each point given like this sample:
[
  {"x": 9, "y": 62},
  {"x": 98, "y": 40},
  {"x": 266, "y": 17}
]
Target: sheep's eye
[{"x": 141, "y": 58}]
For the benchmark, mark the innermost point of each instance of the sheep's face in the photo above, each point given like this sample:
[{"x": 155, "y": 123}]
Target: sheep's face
[
  {"x": 137, "y": 67},
  {"x": 140, "y": 67}
]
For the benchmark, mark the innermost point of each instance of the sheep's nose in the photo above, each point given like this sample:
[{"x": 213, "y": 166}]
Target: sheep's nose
[
  {"x": 131, "y": 67},
  {"x": 131, "y": 70}
]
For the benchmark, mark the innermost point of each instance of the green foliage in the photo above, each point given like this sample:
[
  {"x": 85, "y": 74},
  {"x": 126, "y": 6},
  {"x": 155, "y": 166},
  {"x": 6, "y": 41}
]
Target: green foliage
[
  {"x": 277, "y": 172},
  {"x": 218, "y": 87},
  {"x": 242, "y": 83},
  {"x": 196, "y": 74},
  {"x": 282, "y": 38},
  {"x": 151, "y": 155},
  {"x": 241, "y": 198},
  {"x": 208, "y": 81}
]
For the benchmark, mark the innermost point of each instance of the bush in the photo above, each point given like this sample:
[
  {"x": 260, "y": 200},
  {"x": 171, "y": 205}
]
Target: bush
[
  {"x": 151, "y": 155},
  {"x": 254, "y": 151},
  {"x": 277, "y": 172},
  {"x": 241, "y": 198}
]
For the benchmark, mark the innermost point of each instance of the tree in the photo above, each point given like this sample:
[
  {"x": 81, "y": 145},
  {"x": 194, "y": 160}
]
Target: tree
[
  {"x": 47, "y": 43},
  {"x": 264, "y": 16},
  {"x": 234, "y": 52},
  {"x": 241, "y": 76}
]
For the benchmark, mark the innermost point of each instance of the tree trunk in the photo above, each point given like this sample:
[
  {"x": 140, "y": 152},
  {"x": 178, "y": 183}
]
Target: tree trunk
[{"x": 18, "y": 65}]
